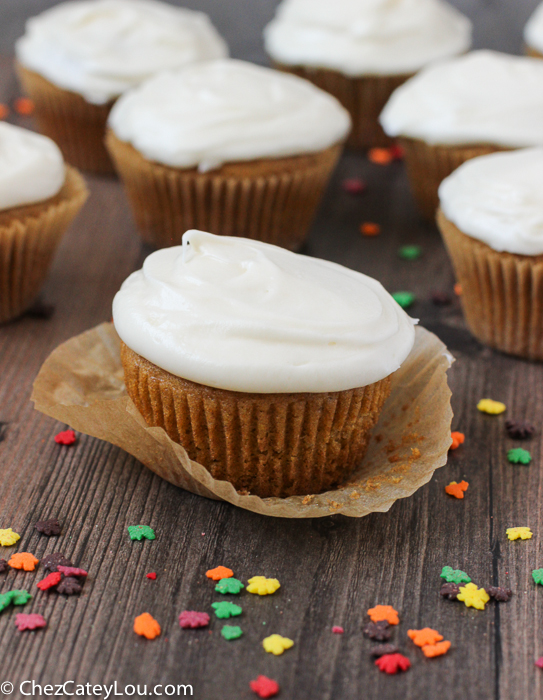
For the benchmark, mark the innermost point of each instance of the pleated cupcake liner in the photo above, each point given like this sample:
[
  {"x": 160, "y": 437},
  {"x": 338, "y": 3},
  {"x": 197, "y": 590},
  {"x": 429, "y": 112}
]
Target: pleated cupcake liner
[
  {"x": 265, "y": 444},
  {"x": 271, "y": 200},
  {"x": 77, "y": 126},
  {"x": 428, "y": 165},
  {"x": 502, "y": 293},
  {"x": 364, "y": 97},
  {"x": 29, "y": 237}
]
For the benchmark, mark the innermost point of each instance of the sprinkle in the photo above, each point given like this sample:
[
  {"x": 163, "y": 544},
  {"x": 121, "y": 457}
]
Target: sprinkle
[
  {"x": 354, "y": 185},
  {"x": 514, "y": 533},
  {"x": 396, "y": 151},
  {"x": 441, "y": 298},
  {"x": 457, "y": 440},
  {"x": 219, "y": 573},
  {"x": 8, "y": 537},
  {"x": 473, "y": 597},
  {"x": 384, "y": 612},
  {"x": 51, "y": 562},
  {"x": 139, "y": 532},
  {"x": 368, "y": 228},
  {"x": 49, "y": 528},
  {"x": 66, "y": 437},
  {"x": 404, "y": 299},
  {"x": 264, "y": 687},
  {"x": 19, "y": 597},
  {"x": 4, "y": 111},
  {"x": 24, "y": 106},
  {"x": 424, "y": 636},
  {"x": 50, "y": 581},
  {"x": 537, "y": 575},
  {"x": 454, "y": 575},
  {"x": 276, "y": 645},
  {"x": 23, "y": 560},
  {"x": 500, "y": 594},
  {"x": 450, "y": 590},
  {"x": 151, "y": 575},
  {"x": 380, "y": 156},
  {"x": 380, "y": 631},
  {"x": 519, "y": 429},
  {"x": 491, "y": 407},
  {"x": 260, "y": 585},
  {"x": 72, "y": 571},
  {"x": 29, "y": 622},
  {"x": 69, "y": 586},
  {"x": 433, "y": 650},
  {"x": 392, "y": 663},
  {"x": 382, "y": 649},
  {"x": 410, "y": 252},
  {"x": 190, "y": 619},
  {"x": 3, "y": 566},
  {"x": 226, "y": 609},
  {"x": 229, "y": 585},
  {"x": 519, "y": 456},
  {"x": 336, "y": 629},
  {"x": 458, "y": 289},
  {"x": 539, "y": 662},
  {"x": 230, "y": 632},
  {"x": 146, "y": 626},
  {"x": 457, "y": 490}
]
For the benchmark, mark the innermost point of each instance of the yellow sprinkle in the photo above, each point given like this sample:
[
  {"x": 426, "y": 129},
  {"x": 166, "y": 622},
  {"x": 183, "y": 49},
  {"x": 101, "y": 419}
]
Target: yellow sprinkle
[
  {"x": 8, "y": 537},
  {"x": 275, "y": 644},
  {"x": 260, "y": 585},
  {"x": 473, "y": 597},
  {"x": 494, "y": 408},
  {"x": 514, "y": 533}
]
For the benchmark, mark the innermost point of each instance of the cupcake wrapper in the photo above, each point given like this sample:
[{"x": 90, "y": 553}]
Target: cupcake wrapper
[
  {"x": 363, "y": 97},
  {"x": 265, "y": 444},
  {"x": 502, "y": 293},
  {"x": 534, "y": 53},
  {"x": 29, "y": 237},
  {"x": 272, "y": 200},
  {"x": 77, "y": 126},
  {"x": 427, "y": 167}
]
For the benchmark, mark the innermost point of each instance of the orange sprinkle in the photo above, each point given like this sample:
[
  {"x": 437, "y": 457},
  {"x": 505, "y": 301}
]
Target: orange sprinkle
[
  {"x": 370, "y": 229},
  {"x": 146, "y": 626},
  {"x": 424, "y": 636},
  {"x": 380, "y": 156},
  {"x": 431, "y": 650},
  {"x": 24, "y": 106},
  {"x": 219, "y": 572},
  {"x": 4, "y": 111},
  {"x": 458, "y": 289},
  {"x": 457, "y": 440},
  {"x": 457, "y": 490},
  {"x": 384, "y": 612},
  {"x": 23, "y": 560}
]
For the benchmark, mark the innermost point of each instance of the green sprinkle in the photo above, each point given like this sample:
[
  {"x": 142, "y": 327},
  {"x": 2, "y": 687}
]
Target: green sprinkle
[
  {"x": 404, "y": 299},
  {"x": 410, "y": 252},
  {"x": 20, "y": 597},
  {"x": 537, "y": 575},
  {"x": 225, "y": 609},
  {"x": 229, "y": 585},
  {"x": 454, "y": 575},
  {"x": 519, "y": 456},
  {"x": 138, "y": 532},
  {"x": 231, "y": 632}
]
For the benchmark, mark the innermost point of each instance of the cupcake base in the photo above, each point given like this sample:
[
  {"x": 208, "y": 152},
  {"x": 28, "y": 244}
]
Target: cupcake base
[
  {"x": 271, "y": 200},
  {"x": 502, "y": 293},
  {"x": 29, "y": 236},
  {"x": 264, "y": 444},
  {"x": 77, "y": 126},
  {"x": 363, "y": 97}
]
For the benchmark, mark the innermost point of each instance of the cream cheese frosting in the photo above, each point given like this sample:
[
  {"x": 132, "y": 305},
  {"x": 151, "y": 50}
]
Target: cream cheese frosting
[
  {"x": 101, "y": 48},
  {"x": 31, "y": 167},
  {"x": 370, "y": 37},
  {"x": 247, "y": 316},
  {"x": 483, "y": 97},
  {"x": 498, "y": 199},
  {"x": 533, "y": 31},
  {"x": 222, "y": 111}
]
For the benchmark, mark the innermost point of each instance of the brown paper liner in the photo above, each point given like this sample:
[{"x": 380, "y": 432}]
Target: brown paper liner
[
  {"x": 502, "y": 293},
  {"x": 271, "y": 200},
  {"x": 81, "y": 384},
  {"x": 427, "y": 167},
  {"x": 266, "y": 444},
  {"x": 29, "y": 237},
  {"x": 77, "y": 126},
  {"x": 363, "y": 97}
]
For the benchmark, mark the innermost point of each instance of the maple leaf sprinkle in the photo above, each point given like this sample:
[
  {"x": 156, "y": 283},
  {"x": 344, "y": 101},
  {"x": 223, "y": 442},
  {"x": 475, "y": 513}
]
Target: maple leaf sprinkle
[
  {"x": 140, "y": 532},
  {"x": 380, "y": 631},
  {"x": 519, "y": 456},
  {"x": 49, "y": 528},
  {"x": 515, "y": 533},
  {"x": 450, "y": 590},
  {"x": 382, "y": 649},
  {"x": 473, "y": 597},
  {"x": 454, "y": 575},
  {"x": 51, "y": 561},
  {"x": 519, "y": 429},
  {"x": 392, "y": 663},
  {"x": 537, "y": 575},
  {"x": 69, "y": 586},
  {"x": 502, "y": 595}
]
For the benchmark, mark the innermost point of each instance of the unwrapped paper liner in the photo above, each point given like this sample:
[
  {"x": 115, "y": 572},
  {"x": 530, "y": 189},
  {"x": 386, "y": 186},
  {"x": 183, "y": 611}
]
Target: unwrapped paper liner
[{"x": 81, "y": 384}]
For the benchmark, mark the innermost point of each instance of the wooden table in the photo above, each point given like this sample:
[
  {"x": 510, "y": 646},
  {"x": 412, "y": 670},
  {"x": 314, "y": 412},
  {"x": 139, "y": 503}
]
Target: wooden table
[{"x": 331, "y": 570}]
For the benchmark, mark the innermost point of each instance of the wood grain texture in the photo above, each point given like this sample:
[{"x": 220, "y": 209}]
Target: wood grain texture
[{"x": 331, "y": 570}]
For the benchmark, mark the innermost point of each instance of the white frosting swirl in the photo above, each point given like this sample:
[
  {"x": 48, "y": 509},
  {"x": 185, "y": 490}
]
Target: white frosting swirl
[
  {"x": 247, "y": 316},
  {"x": 484, "y": 97},
  {"x": 369, "y": 37},
  {"x": 31, "y": 167},
  {"x": 223, "y": 111},
  {"x": 498, "y": 199},
  {"x": 533, "y": 31},
  {"x": 100, "y": 48}
]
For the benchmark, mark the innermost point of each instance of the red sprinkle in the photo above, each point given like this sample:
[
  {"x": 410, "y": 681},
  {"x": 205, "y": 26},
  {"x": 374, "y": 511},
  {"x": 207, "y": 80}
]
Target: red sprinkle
[
  {"x": 392, "y": 663},
  {"x": 354, "y": 185},
  {"x": 151, "y": 575},
  {"x": 190, "y": 619},
  {"x": 53, "y": 579},
  {"x": 66, "y": 437},
  {"x": 336, "y": 629},
  {"x": 33, "y": 621},
  {"x": 264, "y": 687},
  {"x": 71, "y": 571}
]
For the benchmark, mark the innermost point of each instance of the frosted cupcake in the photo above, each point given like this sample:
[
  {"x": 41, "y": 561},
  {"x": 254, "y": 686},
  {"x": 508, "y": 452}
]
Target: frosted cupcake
[
  {"x": 39, "y": 197},
  {"x": 491, "y": 219},
  {"x": 463, "y": 108},
  {"x": 533, "y": 33},
  {"x": 229, "y": 147},
  {"x": 269, "y": 368},
  {"x": 362, "y": 51},
  {"x": 78, "y": 57}
]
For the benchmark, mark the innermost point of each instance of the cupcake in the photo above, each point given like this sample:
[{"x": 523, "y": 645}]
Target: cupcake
[
  {"x": 491, "y": 219},
  {"x": 533, "y": 33},
  {"x": 268, "y": 367},
  {"x": 78, "y": 57},
  {"x": 463, "y": 108},
  {"x": 229, "y": 147},
  {"x": 362, "y": 51},
  {"x": 39, "y": 197}
]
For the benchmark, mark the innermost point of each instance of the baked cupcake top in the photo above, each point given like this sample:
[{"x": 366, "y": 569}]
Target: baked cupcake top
[
  {"x": 100, "y": 48},
  {"x": 31, "y": 167},
  {"x": 371, "y": 37},
  {"x": 222, "y": 111},
  {"x": 533, "y": 31},
  {"x": 498, "y": 199},
  {"x": 484, "y": 97},
  {"x": 248, "y": 316}
]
